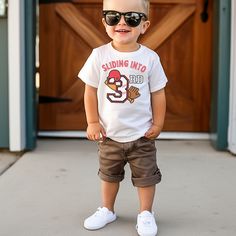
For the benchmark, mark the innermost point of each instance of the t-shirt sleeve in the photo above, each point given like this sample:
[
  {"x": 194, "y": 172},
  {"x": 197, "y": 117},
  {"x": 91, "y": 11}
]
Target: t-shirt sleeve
[
  {"x": 89, "y": 73},
  {"x": 157, "y": 77}
]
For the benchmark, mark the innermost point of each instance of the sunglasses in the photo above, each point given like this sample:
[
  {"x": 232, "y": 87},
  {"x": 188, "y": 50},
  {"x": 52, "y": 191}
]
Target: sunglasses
[{"x": 132, "y": 19}]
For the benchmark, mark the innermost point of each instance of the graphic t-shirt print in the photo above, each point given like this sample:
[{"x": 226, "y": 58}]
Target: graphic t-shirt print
[{"x": 120, "y": 84}]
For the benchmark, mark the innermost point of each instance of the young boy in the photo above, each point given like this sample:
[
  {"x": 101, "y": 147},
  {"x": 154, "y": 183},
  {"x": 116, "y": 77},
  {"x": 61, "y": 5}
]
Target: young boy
[{"x": 125, "y": 108}]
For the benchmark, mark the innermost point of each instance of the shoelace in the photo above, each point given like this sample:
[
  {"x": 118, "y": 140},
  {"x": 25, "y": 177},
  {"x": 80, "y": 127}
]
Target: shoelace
[
  {"x": 99, "y": 212},
  {"x": 146, "y": 220}
]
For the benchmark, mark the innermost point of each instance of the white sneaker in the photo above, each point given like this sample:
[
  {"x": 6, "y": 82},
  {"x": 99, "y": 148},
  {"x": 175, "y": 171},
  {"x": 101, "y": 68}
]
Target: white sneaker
[
  {"x": 99, "y": 219},
  {"x": 146, "y": 224}
]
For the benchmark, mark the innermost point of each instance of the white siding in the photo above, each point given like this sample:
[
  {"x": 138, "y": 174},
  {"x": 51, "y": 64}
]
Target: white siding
[
  {"x": 232, "y": 108},
  {"x": 16, "y": 60}
]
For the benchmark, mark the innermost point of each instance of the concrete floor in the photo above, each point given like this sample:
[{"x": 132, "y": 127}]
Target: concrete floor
[
  {"x": 7, "y": 159},
  {"x": 49, "y": 192}
]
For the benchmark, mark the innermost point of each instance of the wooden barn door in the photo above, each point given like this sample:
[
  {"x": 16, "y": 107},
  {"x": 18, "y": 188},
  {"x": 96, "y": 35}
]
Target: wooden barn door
[{"x": 178, "y": 33}]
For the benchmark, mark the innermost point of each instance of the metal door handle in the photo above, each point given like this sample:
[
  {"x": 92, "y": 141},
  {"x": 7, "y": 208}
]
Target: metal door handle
[
  {"x": 204, "y": 14},
  {"x": 48, "y": 99}
]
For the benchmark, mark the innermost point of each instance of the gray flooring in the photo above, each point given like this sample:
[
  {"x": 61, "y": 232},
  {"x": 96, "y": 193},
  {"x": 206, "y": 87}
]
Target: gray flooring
[{"x": 49, "y": 192}]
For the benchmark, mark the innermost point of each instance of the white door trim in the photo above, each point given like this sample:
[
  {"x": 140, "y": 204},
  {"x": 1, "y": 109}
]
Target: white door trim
[
  {"x": 232, "y": 108},
  {"x": 16, "y": 66}
]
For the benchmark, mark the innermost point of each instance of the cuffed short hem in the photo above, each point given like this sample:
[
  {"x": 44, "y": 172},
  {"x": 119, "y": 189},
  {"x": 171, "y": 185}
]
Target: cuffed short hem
[
  {"x": 147, "y": 181},
  {"x": 111, "y": 179}
]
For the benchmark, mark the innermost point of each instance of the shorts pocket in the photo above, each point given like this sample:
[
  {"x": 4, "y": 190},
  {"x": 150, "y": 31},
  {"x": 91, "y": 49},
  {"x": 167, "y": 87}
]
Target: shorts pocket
[{"x": 145, "y": 139}]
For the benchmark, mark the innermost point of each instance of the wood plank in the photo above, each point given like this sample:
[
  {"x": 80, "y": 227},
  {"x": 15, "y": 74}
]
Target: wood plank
[
  {"x": 83, "y": 28},
  {"x": 202, "y": 58},
  {"x": 47, "y": 50},
  {"x": 168, "y": 25},
  {"x": 72, "y": 121}
]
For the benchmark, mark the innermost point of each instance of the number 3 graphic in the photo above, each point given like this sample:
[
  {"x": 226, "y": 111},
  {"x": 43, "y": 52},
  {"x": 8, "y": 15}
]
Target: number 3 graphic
[{"x": 120, "y": 87}]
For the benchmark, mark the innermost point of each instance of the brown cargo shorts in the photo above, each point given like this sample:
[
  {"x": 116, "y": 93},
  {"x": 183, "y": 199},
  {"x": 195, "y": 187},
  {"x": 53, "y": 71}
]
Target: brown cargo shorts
[{"x": 141, "y": 156}]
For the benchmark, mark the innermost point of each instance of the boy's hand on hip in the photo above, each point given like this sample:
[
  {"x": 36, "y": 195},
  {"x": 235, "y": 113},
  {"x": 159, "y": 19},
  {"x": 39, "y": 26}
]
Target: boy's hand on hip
[
  {"x": 153, "y": 132},
  {"x": 95, "y": 131}
]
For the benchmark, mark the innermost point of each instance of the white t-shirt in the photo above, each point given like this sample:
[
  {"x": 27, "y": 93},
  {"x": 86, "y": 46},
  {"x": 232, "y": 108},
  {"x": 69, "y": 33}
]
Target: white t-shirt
[{"x": 124, "y": 81}]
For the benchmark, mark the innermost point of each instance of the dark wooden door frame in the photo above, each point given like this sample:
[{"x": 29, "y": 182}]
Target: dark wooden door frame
[
  {"x": 30, "y": 70},
  {"x": 221, "y": 74},
  {"x": 4, "y": 117}
]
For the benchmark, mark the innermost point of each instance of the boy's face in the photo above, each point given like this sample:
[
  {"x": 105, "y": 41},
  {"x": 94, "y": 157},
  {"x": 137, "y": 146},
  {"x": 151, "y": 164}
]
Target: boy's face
[{"x": 124, "y": 36}]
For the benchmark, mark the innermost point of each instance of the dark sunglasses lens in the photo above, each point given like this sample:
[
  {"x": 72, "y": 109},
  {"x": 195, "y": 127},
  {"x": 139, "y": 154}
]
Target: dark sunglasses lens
[
  {"x": 112, "y": 18},
  {"x": 132, "y": 19}
]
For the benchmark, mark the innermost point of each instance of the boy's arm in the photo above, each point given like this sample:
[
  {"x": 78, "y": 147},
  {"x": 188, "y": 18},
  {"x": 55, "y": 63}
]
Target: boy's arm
[
  {"x": 94, "y": 128},
  {"x": 158, "y": 101}
]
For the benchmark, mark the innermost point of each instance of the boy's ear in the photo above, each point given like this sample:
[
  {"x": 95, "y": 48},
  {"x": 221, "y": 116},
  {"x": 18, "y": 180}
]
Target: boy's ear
[
  {"x": 104, "y": 22},
  {"x": 145, "y": 26}
]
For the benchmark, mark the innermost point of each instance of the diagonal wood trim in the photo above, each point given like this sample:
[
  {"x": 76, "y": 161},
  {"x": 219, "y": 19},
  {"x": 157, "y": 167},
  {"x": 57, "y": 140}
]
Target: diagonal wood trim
[
  {"x": 74, "y": 95},
  {"x": 151, "y": 1},
  {"x": 167, "y": 26},
  {"x": 82, "y": 27}
]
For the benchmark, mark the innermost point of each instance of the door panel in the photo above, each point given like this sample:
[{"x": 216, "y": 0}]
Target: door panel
[{"x": 69, "y": 31}]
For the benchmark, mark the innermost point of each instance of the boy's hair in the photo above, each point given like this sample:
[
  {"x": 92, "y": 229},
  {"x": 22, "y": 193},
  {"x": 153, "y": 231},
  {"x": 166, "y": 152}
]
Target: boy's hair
[{"x": 146, "y": 5}]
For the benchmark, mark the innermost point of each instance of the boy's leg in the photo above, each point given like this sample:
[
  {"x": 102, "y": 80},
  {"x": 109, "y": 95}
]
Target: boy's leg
[
  {"x": 146, "y": 224},
  {"x": 104, "y": 214},
  {"x": 146, "y": 197},
  {"x": 109, "y": 191}
]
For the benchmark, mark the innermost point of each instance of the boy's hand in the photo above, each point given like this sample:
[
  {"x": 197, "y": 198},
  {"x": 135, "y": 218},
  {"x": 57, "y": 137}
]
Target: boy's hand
[
  {"x": 153, "y": 132},
  {"x": 94, "y": 131}
]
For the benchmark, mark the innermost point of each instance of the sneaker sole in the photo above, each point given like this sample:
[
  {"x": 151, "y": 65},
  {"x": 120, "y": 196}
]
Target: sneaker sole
[
  {"x": 97, "y": 228},
  {"x": 154, "y": 234}
]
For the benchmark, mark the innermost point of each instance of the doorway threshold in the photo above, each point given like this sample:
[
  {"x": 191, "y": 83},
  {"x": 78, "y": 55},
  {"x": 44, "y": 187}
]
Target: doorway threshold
[{"x": 163, "y": 135}]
